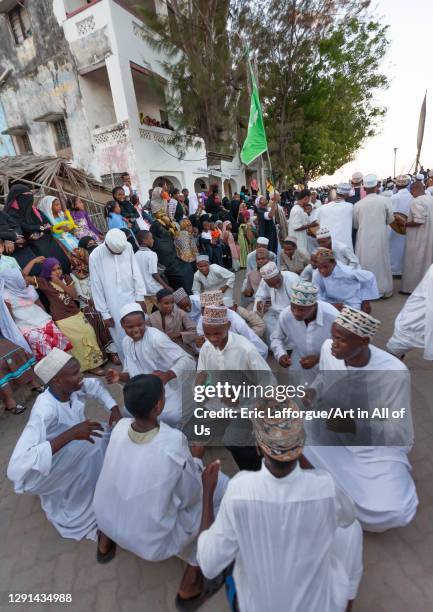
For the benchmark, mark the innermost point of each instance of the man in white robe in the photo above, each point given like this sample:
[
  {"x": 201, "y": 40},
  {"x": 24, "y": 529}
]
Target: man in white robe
[
  {"x": 59, "y": 454},
  {"x": 376, "y": 472},
  {"x": 148, "y": 350},
  {"x": 262, "y": 243},
  {"x": 371, "y": 217},
  {"x": 273, "y": 294},
  {"x": 116, "y": 280},
  {"x": 148, "y": 498},
  {"x": 419, "y": 238},
  {"x": 401, "y": 201},
  {"x": 338, "y": 284},
  {"x": 299, "y": 221},
  {"x": 413, "y": 327},
  {"x": 343, "y": 253},
  {"x": 272, "y": 519},
  {"x": 209, "y": 277},
  {"x": 237, "y": 323},
  {"x": 303, "y": 326},
  {"x": 338, "y": 216}
]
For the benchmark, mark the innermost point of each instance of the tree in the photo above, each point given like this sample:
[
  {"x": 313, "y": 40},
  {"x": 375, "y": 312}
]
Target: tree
[
  {"x": 319, "y": 68},
  {"x": 200, "y": 67}
]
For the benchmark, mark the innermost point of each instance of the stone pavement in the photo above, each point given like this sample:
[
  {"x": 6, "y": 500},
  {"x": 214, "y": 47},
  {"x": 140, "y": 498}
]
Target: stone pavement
[{"x": 398, "y": 564}]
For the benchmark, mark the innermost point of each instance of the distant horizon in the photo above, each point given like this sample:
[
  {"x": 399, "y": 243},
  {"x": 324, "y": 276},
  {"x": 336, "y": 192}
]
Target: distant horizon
[{"x": 405, "y": 64}]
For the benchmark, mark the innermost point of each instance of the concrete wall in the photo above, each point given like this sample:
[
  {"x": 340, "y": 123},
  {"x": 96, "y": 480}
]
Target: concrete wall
[{"x": 97, "y": 98}]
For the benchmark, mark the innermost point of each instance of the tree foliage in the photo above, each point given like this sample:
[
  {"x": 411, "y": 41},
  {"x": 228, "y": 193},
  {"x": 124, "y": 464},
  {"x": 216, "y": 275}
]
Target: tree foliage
[
  {"x": 319, "y": 69},
  {"x": 200, "y": 65},
  {"x": 318, "y": 66}
]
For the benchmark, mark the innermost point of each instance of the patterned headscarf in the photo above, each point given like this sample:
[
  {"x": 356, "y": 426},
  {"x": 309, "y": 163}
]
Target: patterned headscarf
[
  {"x": 357, "y": 322},
  {"x": 80, "y": 262},
  {"x": 280, "y": 438},
  {"x": 304, "y": 293}
]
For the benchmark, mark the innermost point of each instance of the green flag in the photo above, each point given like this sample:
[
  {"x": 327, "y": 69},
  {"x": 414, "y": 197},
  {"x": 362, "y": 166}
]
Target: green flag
[{"x": 255, "y": 143}]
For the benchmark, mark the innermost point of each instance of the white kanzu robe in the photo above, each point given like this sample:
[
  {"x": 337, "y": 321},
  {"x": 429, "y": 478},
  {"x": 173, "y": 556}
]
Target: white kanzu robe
[
  {"x": 346, "y": 286},
  {"x": 252, "y": 260},
  {"x": 371, "y": 216},
  {"x": 279, "y": 299},
  {"x": 116, "y": 280},
  {"x": 149, "y": 495},
  {"x": 401, "y": 202},
  {"x": 419, "y": 243},
  {"x": 294, "y": 540},
  {"x": 65, "y": 481},
  {"x": 413, "y": 327},
  {"x": 337, "y": 216},
  {"x": 345, "y": 254},
  {"x": 303, "y": 339},
  {"x": 218, "y": 277},
  {"x": 298, "y": 218},
  {"x": 155, "y": 351},
  {"x": 377, "y": 478}
]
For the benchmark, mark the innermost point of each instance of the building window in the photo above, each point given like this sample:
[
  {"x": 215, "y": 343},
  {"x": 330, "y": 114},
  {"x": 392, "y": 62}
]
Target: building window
[
  {"x": 24, "y": 145},
  {"x": 62, "y": 136},
  {"x": 20, "y": 24}
]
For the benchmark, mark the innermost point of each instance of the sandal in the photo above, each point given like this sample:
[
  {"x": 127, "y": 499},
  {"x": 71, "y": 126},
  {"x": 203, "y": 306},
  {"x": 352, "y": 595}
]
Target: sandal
[
  {"x": 109, "y": 555},
  {"x": 19, "y": 409},
  {"x": 210, "y": 587}
]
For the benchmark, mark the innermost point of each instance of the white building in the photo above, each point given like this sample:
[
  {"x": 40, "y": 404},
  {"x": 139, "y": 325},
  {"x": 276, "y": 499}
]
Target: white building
[{"x": 79, "y": 79}]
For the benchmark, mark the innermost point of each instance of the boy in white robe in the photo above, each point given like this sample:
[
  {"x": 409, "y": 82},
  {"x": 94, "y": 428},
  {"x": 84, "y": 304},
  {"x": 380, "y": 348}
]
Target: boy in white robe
[
  {"x": 377, "y": 476},
  {"x": 189, "y": 303},
  {"x": 148, "y": 350},
  {"x": 148, "y": 498},
  {"x": 303, "y": 326},
  {"x": 212, "y": 276},
  {"x": 238, "y": 361},
  {"x": 237, "y": 323},
  {"x": 116, "y": 280},
  {"x": 273, "y": 294},
  {"x": 338, "y": 216},
  {"x": 338, "y": 284},
  {"x": 291, "y": 532},
  {"x": 413, "y": 327},
  {"x": 59, "y": 454}
]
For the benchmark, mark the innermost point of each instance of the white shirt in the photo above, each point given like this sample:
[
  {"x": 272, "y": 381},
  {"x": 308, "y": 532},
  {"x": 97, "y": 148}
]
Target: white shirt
[
  {"x": 148, "y": 263},
  {"x": 337, "y": 216},
  {"x": 238, "y": 354},
  {"x": 239, "y": 326},
  {"x": 66, "y": 480},
  {"x": 298, "y": 218},
  {"x": 281, "y": 534},
  {"x": 217, "y": 278},
  {"x": 345, "y": 254},
  {"x": 155, "y": 351},
  {"x": 280, "y": 297},
  {"x": 304, "y": 339},
  {"x": 129, "y": 191}
]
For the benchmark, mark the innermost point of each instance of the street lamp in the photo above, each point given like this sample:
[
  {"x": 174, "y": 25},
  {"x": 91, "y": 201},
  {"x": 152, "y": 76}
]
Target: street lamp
[{"x": 395, "y": 158}]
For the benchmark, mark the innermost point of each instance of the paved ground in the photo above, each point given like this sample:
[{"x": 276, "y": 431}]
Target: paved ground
[{"x": 398, "y": 574}]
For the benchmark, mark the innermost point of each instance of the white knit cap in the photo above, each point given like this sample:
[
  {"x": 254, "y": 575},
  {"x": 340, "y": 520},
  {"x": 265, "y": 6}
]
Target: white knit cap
[
  {"x": 51, "y": 365},
  {"x": 129, "y": 309},
  {"x": 344, "y": 188},
  {"x": 263, "y": 240},
  {"x": 116, "y": 241},
  {"x": 323, "y": 232},
  {"x": 370, "y": 181}
]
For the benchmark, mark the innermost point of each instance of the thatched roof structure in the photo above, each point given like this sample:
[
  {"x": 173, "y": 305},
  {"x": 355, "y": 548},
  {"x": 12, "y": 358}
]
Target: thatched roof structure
[{"x": 49, "y": 175}]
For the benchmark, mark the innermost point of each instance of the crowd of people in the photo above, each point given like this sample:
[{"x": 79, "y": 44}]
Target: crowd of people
[{"x": 194, "y": 283}]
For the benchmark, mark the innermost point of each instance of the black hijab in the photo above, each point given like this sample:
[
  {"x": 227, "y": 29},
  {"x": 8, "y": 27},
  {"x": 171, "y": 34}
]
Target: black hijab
[{"x": 22, "y": 195}]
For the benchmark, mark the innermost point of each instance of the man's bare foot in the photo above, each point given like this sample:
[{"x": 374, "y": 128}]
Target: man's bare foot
[{"x": 106, "y": 548}]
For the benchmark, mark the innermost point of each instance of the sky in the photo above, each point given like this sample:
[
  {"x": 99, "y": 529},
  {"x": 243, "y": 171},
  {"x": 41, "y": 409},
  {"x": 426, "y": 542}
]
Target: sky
[{"x": 408, "y": 67}]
